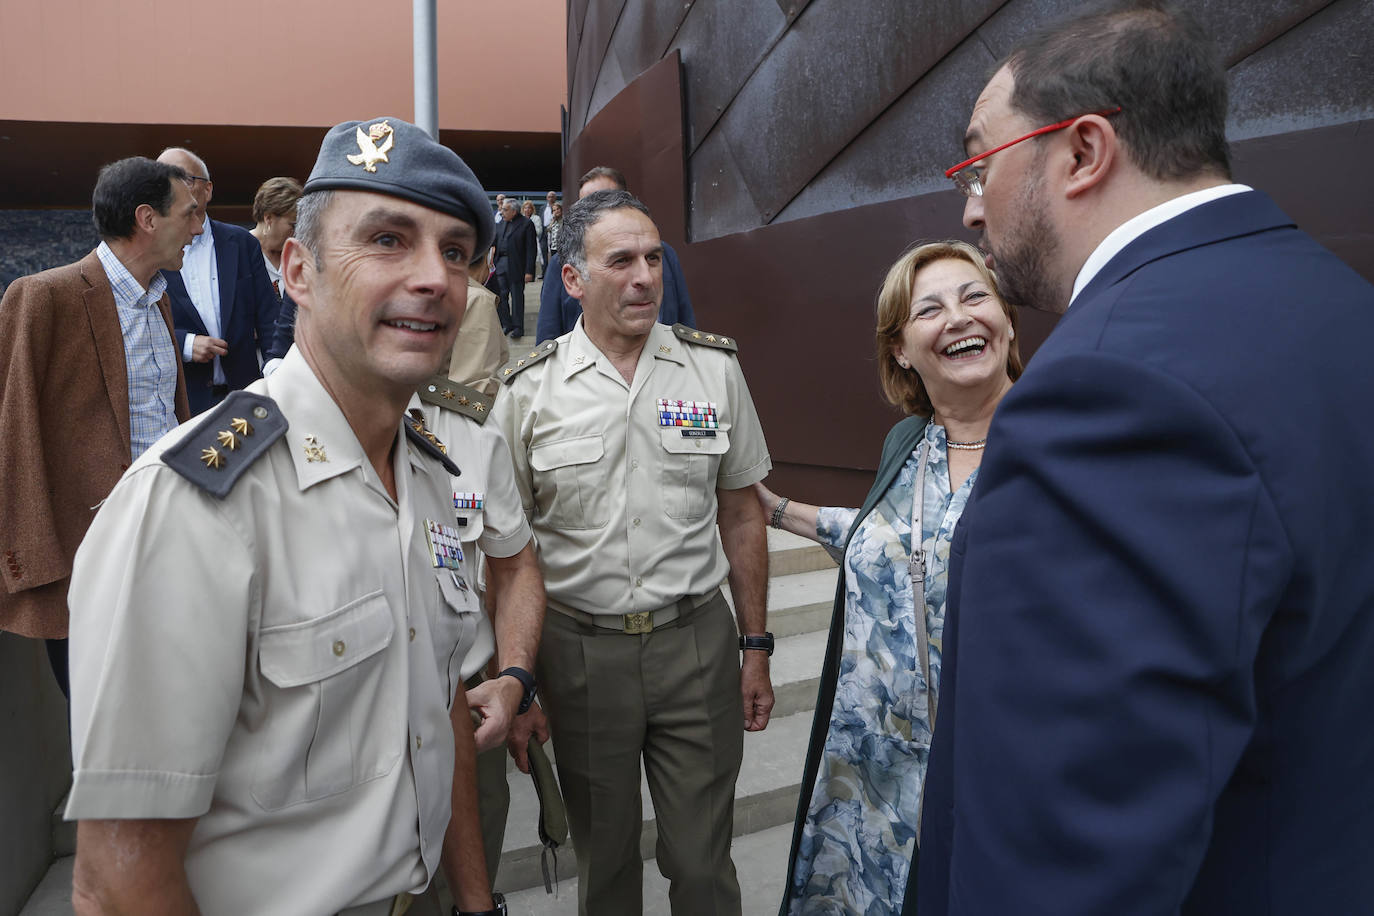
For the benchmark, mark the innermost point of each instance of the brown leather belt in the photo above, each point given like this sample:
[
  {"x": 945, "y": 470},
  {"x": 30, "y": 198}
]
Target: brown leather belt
[{"x": 638, "y": 622}]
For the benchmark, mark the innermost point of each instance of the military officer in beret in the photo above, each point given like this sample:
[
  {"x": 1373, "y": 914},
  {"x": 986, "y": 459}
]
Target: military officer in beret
[
  {"x": 268, "y": 626},
  {"x": 634, "y": 443}
]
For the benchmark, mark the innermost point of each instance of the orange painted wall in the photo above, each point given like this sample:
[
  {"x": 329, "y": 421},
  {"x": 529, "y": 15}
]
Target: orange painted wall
[{"x": 278, "y": 62}]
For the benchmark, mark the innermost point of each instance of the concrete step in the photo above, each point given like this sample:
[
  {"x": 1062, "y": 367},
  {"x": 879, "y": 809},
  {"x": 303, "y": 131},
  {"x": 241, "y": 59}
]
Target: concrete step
[
  {"x": 799, "y": 603},
  {"x": 765, "y": 796},
  {"x": 760, "y": 862},
  {"x": 789, "y": 553}
]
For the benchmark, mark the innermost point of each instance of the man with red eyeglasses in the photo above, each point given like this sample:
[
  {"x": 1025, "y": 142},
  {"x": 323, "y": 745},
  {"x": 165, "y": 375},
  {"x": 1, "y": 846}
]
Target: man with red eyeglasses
[{"x": 1157, "y": 674}]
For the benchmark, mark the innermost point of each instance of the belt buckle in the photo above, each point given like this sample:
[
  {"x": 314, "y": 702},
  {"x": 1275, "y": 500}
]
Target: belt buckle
[{"x": 639, "y": 622}]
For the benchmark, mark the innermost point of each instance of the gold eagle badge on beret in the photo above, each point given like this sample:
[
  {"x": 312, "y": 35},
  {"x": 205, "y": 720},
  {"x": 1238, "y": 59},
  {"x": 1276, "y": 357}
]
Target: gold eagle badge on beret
[{"x": 370, "y": 153}]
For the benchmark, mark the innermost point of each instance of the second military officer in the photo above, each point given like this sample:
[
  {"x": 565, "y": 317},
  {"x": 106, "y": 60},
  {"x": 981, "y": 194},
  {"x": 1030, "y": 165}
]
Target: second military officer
[{"x": 633, "y": 444}]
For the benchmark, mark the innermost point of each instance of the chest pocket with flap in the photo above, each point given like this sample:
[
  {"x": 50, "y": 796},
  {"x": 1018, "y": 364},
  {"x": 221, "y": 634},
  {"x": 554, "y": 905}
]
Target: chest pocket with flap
[
  {"x": 328, "y": 671},
  {"x": 688, "y": 472},
  {"x": 569, "y": 487}
]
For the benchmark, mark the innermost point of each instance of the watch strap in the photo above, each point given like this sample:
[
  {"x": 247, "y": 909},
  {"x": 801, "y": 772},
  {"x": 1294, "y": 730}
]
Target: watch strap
[
  {"x": 763, "y": 643},
  {"x": 526, "y": 680}
]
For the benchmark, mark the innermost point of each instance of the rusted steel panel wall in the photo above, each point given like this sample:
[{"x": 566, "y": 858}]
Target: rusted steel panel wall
[{"x": 792, "y": 149}]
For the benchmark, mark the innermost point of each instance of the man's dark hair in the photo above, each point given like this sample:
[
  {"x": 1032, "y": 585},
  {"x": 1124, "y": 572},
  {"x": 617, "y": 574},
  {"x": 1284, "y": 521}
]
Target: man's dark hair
[
  {"x": 583, "y": 215},
  {"x": 126, "y": 185},
  {"x": 1151, "y": 58},
  {"x": 604, "y": 171}
]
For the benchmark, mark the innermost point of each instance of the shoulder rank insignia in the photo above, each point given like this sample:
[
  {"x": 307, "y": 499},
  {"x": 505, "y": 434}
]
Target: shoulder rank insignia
[
  {"x": 519, "y": 363},
  {"x": 692, "y": 335},
  {"x": 429, "y": 443},
  {"x": 228, "y": 438},
  {"x": 441, "y": 391}
]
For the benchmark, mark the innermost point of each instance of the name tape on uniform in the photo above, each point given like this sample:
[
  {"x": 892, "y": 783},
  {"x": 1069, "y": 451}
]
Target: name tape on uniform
[
  {"x": 695, "y": 414},
  {"x": 445, "y": 549}
]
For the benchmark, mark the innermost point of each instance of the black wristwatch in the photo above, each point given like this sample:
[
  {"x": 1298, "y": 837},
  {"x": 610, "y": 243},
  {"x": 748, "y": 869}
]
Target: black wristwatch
[
  {"x": 500, "y": 902},
  {"x": 764, "y": 643},
  {"x": 531, "y": 688}
]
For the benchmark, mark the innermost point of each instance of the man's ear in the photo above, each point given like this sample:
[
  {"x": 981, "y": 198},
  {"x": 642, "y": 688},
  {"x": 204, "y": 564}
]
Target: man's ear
[
  {"x": 572, "y": 281},
  {"x": 145, "y": 217},
  {"x": 1095, "y": 148},
  {"x": 298, "y": 272}
]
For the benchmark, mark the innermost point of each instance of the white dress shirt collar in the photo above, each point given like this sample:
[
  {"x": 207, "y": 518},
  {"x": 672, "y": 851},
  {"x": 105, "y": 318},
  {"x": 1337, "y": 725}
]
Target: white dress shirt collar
[{"x": 1138, "y": 225}]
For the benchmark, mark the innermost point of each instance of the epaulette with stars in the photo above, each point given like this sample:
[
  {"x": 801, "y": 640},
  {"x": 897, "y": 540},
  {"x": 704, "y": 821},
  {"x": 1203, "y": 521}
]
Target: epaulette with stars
[
  {"x": 520, "y": 363},
  {"x": 692, "y": 335},
  {"x": 428, "y": 442},
  {"x": 226, "y": 441},
  {"x": 442, "y": 391}
]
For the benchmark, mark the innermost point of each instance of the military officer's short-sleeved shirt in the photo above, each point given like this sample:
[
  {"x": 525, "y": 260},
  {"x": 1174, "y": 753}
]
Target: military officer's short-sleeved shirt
[
  {"x": 620, "y": 479},
  {"x": 486, "y": 505},
  {"x": 278, "y": 664}
]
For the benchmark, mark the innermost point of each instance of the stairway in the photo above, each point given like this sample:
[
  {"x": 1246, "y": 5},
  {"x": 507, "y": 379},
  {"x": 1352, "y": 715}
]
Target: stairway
[{"x": 801, "y": 590}]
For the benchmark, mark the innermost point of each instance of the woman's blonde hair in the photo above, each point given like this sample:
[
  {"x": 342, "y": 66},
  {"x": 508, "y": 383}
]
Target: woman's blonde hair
[{"x": 903, "y": 387}]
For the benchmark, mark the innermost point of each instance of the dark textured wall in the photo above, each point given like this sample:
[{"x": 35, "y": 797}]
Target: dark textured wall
[{"x": 792, "y": 150}]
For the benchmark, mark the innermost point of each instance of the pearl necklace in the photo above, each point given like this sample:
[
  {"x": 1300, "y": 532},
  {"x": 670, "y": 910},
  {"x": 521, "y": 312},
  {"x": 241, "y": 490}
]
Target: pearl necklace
[{"x": 968, "y": 446}]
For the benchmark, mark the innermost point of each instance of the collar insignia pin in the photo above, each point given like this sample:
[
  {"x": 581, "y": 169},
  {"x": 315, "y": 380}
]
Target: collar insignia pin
[{"x": 313, "y": 450}]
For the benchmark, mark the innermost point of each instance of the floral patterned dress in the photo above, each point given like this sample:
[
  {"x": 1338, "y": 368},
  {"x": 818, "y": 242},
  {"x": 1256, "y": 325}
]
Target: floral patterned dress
[{"x": 861, "y": 824}]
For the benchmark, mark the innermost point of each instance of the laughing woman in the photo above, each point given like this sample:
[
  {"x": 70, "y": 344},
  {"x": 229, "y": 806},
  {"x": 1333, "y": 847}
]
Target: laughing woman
[{"x": 946, "y": 356}]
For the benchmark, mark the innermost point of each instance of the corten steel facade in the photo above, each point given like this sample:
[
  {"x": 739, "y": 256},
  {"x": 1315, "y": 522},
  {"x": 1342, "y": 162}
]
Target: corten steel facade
[{"x": 791, "y": 149}]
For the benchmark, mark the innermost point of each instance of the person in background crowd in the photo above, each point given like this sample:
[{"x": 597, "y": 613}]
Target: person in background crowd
[
  {"x": 1157, "y": 673},
  {"x": 558, "y": 309},
  {"x": 274, "y": 218},
  {"x": 640, "y": 652},
  {"x": 513, "y": 267},
  {"x": 527, "y": 211},
  {"x": 223, "y": 305},
  {"x": 269, "y": 612},
  {"x": 551, "y": 231},
  {"x": 480, "y": 348},
  {"x": 91, "y": 380},
  {"x": 946, "y": 347}
]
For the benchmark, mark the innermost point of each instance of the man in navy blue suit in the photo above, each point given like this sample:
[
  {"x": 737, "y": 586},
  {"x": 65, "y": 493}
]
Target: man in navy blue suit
[
  {"x": 1159, "y": 655},
  {"x": 223, "y": 306},
  {"x": 559, "y": 311}
]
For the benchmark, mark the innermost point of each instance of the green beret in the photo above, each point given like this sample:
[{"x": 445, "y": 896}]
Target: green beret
[{"x": 391, "y": 156}]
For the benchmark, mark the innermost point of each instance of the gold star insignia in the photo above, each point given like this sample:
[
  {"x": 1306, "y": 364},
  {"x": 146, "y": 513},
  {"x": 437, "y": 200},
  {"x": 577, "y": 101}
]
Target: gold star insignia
[
  {"x": 480, "y": 408},
  {"x": 711, "y": 338},
  {"x": 241, "y": 426},
  {"x": 464, "y": 401},
  {"x": 519, "y": 362},
  {"x": 212, "y": 458},
  {"x": 227, "y": 439},
  {"x": 508, "y": 372},
  {"x": 696, "y": 335},
  {"x": 533, "y": 353},
  {"x": 448, "y": 394},
  {"x": 725, "y": 340},
  {"x": 313, "y": 450}
]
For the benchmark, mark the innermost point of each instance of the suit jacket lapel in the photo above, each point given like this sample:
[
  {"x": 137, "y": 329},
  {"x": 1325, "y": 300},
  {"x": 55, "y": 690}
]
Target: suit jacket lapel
[
  {"x": 109, "y": 341},
  {"x": 226, "y": 263},
  {"x": 184, "y": 308}
]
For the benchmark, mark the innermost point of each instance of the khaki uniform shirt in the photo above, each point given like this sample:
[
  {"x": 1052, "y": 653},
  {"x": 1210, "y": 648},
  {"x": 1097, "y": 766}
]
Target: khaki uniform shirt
[
  {"x": 278, "y": 664},
  {"x": 498, "y": 528},
  {"x": 623, "y": 509},
  {"x": 481, "y": 347}
]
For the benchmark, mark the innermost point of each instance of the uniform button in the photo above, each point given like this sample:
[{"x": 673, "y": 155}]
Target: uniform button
[
  {"x": 635, "y": 464},
  {"x": 636, "y": 523},
  {"x": 417, "y": 742},
  {"x": 639, "y": 580},
  {"x": 412, "y": 634},
  {"x": 339, "y": 647}
]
